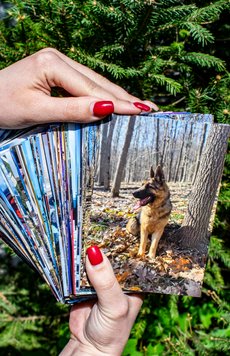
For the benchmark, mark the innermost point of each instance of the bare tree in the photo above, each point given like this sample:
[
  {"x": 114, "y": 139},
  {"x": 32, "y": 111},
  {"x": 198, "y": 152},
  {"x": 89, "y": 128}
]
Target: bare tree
[
  {"x": 134, "y": 159},
  {"x": 123, "y": 157},
  {"x": 172, "y": 149},
  {"x": 166, "y": 148},
  {"x": 165, "y": 141},
  {"x": 183, "y": 140},
  {"x": 157, "y": 140},
  {"x": 120, "y": 123},
  {"x": 194, "y": 231},
  {"x": 200, "y": 150},
  {"x": 108, "y": 154},
  {"x": 102, "y": 157},
  {"x": 186, "y": 154}
]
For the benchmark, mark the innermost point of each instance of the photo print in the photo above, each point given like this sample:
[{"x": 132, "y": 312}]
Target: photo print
[
  {"x": 40, "y": 202},
  {"x": 143, "y": 188},
  {"x": 151, "y": 192}
]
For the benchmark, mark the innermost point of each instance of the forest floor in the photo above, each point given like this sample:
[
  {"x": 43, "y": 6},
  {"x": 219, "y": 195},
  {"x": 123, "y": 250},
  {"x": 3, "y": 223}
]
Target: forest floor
[{"x": 173, "y": 271}]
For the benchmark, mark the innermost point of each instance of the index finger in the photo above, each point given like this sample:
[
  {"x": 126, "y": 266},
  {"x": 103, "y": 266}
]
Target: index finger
[
  {"x": 92, "y": 75},
  {"x": 101, "y": 81}
]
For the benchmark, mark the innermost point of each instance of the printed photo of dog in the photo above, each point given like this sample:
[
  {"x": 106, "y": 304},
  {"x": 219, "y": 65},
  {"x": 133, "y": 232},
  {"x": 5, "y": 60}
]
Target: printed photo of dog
[
  {"x": 155, "y": 208},
  {"x": 144, "y": 179}
]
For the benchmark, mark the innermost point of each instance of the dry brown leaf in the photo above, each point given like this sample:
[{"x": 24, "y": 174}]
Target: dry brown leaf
[
  {"x": 135, "y": 289},
  {"x": 122, "y": 277},
  {"x": 133, "y": 252}
]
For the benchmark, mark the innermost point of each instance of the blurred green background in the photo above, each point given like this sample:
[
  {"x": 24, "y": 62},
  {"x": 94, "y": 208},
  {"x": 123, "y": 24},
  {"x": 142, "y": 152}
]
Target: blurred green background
[{"x": 175, "y": 53}]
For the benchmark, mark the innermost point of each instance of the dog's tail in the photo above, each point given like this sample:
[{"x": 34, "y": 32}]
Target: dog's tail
[{"x": 133, "y": 226}]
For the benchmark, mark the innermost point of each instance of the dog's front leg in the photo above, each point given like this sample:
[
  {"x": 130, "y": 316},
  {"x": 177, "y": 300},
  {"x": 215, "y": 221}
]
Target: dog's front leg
[
  {"x": 155, "y": 240},
  {"x": 143, "y": 242}
]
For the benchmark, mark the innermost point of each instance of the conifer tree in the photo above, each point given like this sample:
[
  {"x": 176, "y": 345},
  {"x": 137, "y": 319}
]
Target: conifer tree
[
  {"x": 162, "y": 50},
  {"x": 174, "y": 53}
]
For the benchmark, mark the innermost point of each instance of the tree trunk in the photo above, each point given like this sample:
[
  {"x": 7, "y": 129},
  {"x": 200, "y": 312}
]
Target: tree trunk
[
  {"x": 115, "y": 148},
  {"x": 165, "y": 141},
  {"x": 181, "y": 154},
  {"x": 166, "y": 158},
  {"x": 172, "y": 148},
  {"x": 123, "y": 157},
  {"x": 136, "y": 153},
  {"x": 107, "y": 170},
  {"x": 195, "y": 231},
  {"x": 102, "y": 159},
  {"x": 157, "y": 141},
  {"x": 200, "y": 153},
  {"x": 186, "y": 155}
]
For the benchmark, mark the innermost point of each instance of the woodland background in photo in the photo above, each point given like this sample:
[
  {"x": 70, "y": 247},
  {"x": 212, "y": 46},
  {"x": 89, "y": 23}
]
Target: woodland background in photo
[
  {"x": 188, "y": 148},
  {"x": 175, "y": 53}
]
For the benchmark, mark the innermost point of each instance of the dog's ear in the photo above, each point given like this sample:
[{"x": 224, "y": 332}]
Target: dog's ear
[
  {"x": 159, "y": 176},
  {"x": 151, "y": 172}
]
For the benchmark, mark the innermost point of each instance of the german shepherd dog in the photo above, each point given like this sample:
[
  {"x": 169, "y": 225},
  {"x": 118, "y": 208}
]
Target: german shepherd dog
[{"x": 155, "y": 204}]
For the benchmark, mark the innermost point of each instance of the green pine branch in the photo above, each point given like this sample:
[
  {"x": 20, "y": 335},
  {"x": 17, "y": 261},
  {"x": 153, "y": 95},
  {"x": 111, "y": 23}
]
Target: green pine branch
[
  {"x": 203, "y": 60},
  {"x": 171, "y": 85},
  {"x": 165, "y": 15},
  {"x": 209, "y": 13},
  {"x": 199, "y": 33},
  {"x": 97, "y": 63}
]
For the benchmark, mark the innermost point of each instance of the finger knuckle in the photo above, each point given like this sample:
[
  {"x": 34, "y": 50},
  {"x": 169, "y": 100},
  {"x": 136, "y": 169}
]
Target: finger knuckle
[
  {"x": 104, "y": 81},
  {"x": 44, "y": 59},
  {"x": 70, "y": 110},
  {"x": 74, "y": 111},
  {"x": 119, "y": 313},
  {"x": 49, "y": 49},
  {"x": 122, "y": 310},
  {"x": 92, "y": 86}
]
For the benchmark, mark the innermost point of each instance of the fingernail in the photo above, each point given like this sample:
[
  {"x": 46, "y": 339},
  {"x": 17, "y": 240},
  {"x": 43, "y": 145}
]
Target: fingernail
[
  {"x": 142, "y": 107},
  {"x": 95, "y": 255},
  {"x": 103, "y": 108}
]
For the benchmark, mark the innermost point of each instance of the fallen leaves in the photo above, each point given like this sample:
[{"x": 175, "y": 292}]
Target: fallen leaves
[
  {"x": 180, "y": 264},
  {"x": 173, "y": 271}
]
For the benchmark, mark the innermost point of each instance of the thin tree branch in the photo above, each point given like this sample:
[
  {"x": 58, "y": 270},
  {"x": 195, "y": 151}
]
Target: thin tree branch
[{"x": 178, "y": 101}]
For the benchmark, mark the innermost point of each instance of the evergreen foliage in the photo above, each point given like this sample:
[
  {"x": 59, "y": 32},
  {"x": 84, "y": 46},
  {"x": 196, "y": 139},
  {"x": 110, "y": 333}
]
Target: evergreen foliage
[
  {"x": 174, "y": 53},
  {"x": 161, "y": 50}
]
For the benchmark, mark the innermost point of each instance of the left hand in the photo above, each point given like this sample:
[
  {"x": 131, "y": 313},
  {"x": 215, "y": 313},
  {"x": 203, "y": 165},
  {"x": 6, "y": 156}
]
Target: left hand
[{"x": 25, "y": 92}]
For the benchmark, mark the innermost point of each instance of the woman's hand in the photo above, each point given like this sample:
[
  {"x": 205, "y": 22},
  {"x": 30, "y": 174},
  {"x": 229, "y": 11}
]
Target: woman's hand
[
  {"x": 102, "y": 327},
  {"x": 25, "y": 92}
]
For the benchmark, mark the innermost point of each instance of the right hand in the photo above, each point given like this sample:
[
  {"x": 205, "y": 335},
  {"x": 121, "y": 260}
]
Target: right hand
[{"x": 102, "y": 327}]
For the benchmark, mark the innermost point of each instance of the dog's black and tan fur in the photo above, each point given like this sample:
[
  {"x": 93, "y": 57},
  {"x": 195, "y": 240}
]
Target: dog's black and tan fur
[{"x": 155, "y": 204}]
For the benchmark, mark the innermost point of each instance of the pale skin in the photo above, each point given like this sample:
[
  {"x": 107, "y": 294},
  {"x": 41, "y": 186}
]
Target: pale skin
[
  {"x": 26, "y": 85},
  {"x": 102, "y": 327},
  {"x": 99, "y": 327}
]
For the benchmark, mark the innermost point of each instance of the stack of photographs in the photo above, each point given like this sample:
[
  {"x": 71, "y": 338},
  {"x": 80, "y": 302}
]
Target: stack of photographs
[
  {"x": 143, "y": 188},
  {"x": 40, "y": 202}
]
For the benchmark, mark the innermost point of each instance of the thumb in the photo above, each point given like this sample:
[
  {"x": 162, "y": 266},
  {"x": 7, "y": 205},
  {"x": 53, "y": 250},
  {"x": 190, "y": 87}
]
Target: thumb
[
  {"x": 82, "y": 109},
  {"x": 100, "y": 274}
]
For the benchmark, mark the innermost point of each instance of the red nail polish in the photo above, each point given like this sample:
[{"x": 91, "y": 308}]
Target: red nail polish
[
  {"x": 142, "y": 106},
  {"x": 95, "y": 255},
  {"x": 103, "y": 108}
]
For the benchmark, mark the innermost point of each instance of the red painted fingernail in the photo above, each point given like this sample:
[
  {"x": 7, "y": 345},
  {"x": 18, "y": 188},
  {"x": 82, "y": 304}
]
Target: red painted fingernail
[
  {"x": 142, "y": 106},
  {"x": 103, "y": 108},
  {"x": 95, "y": 255}
]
